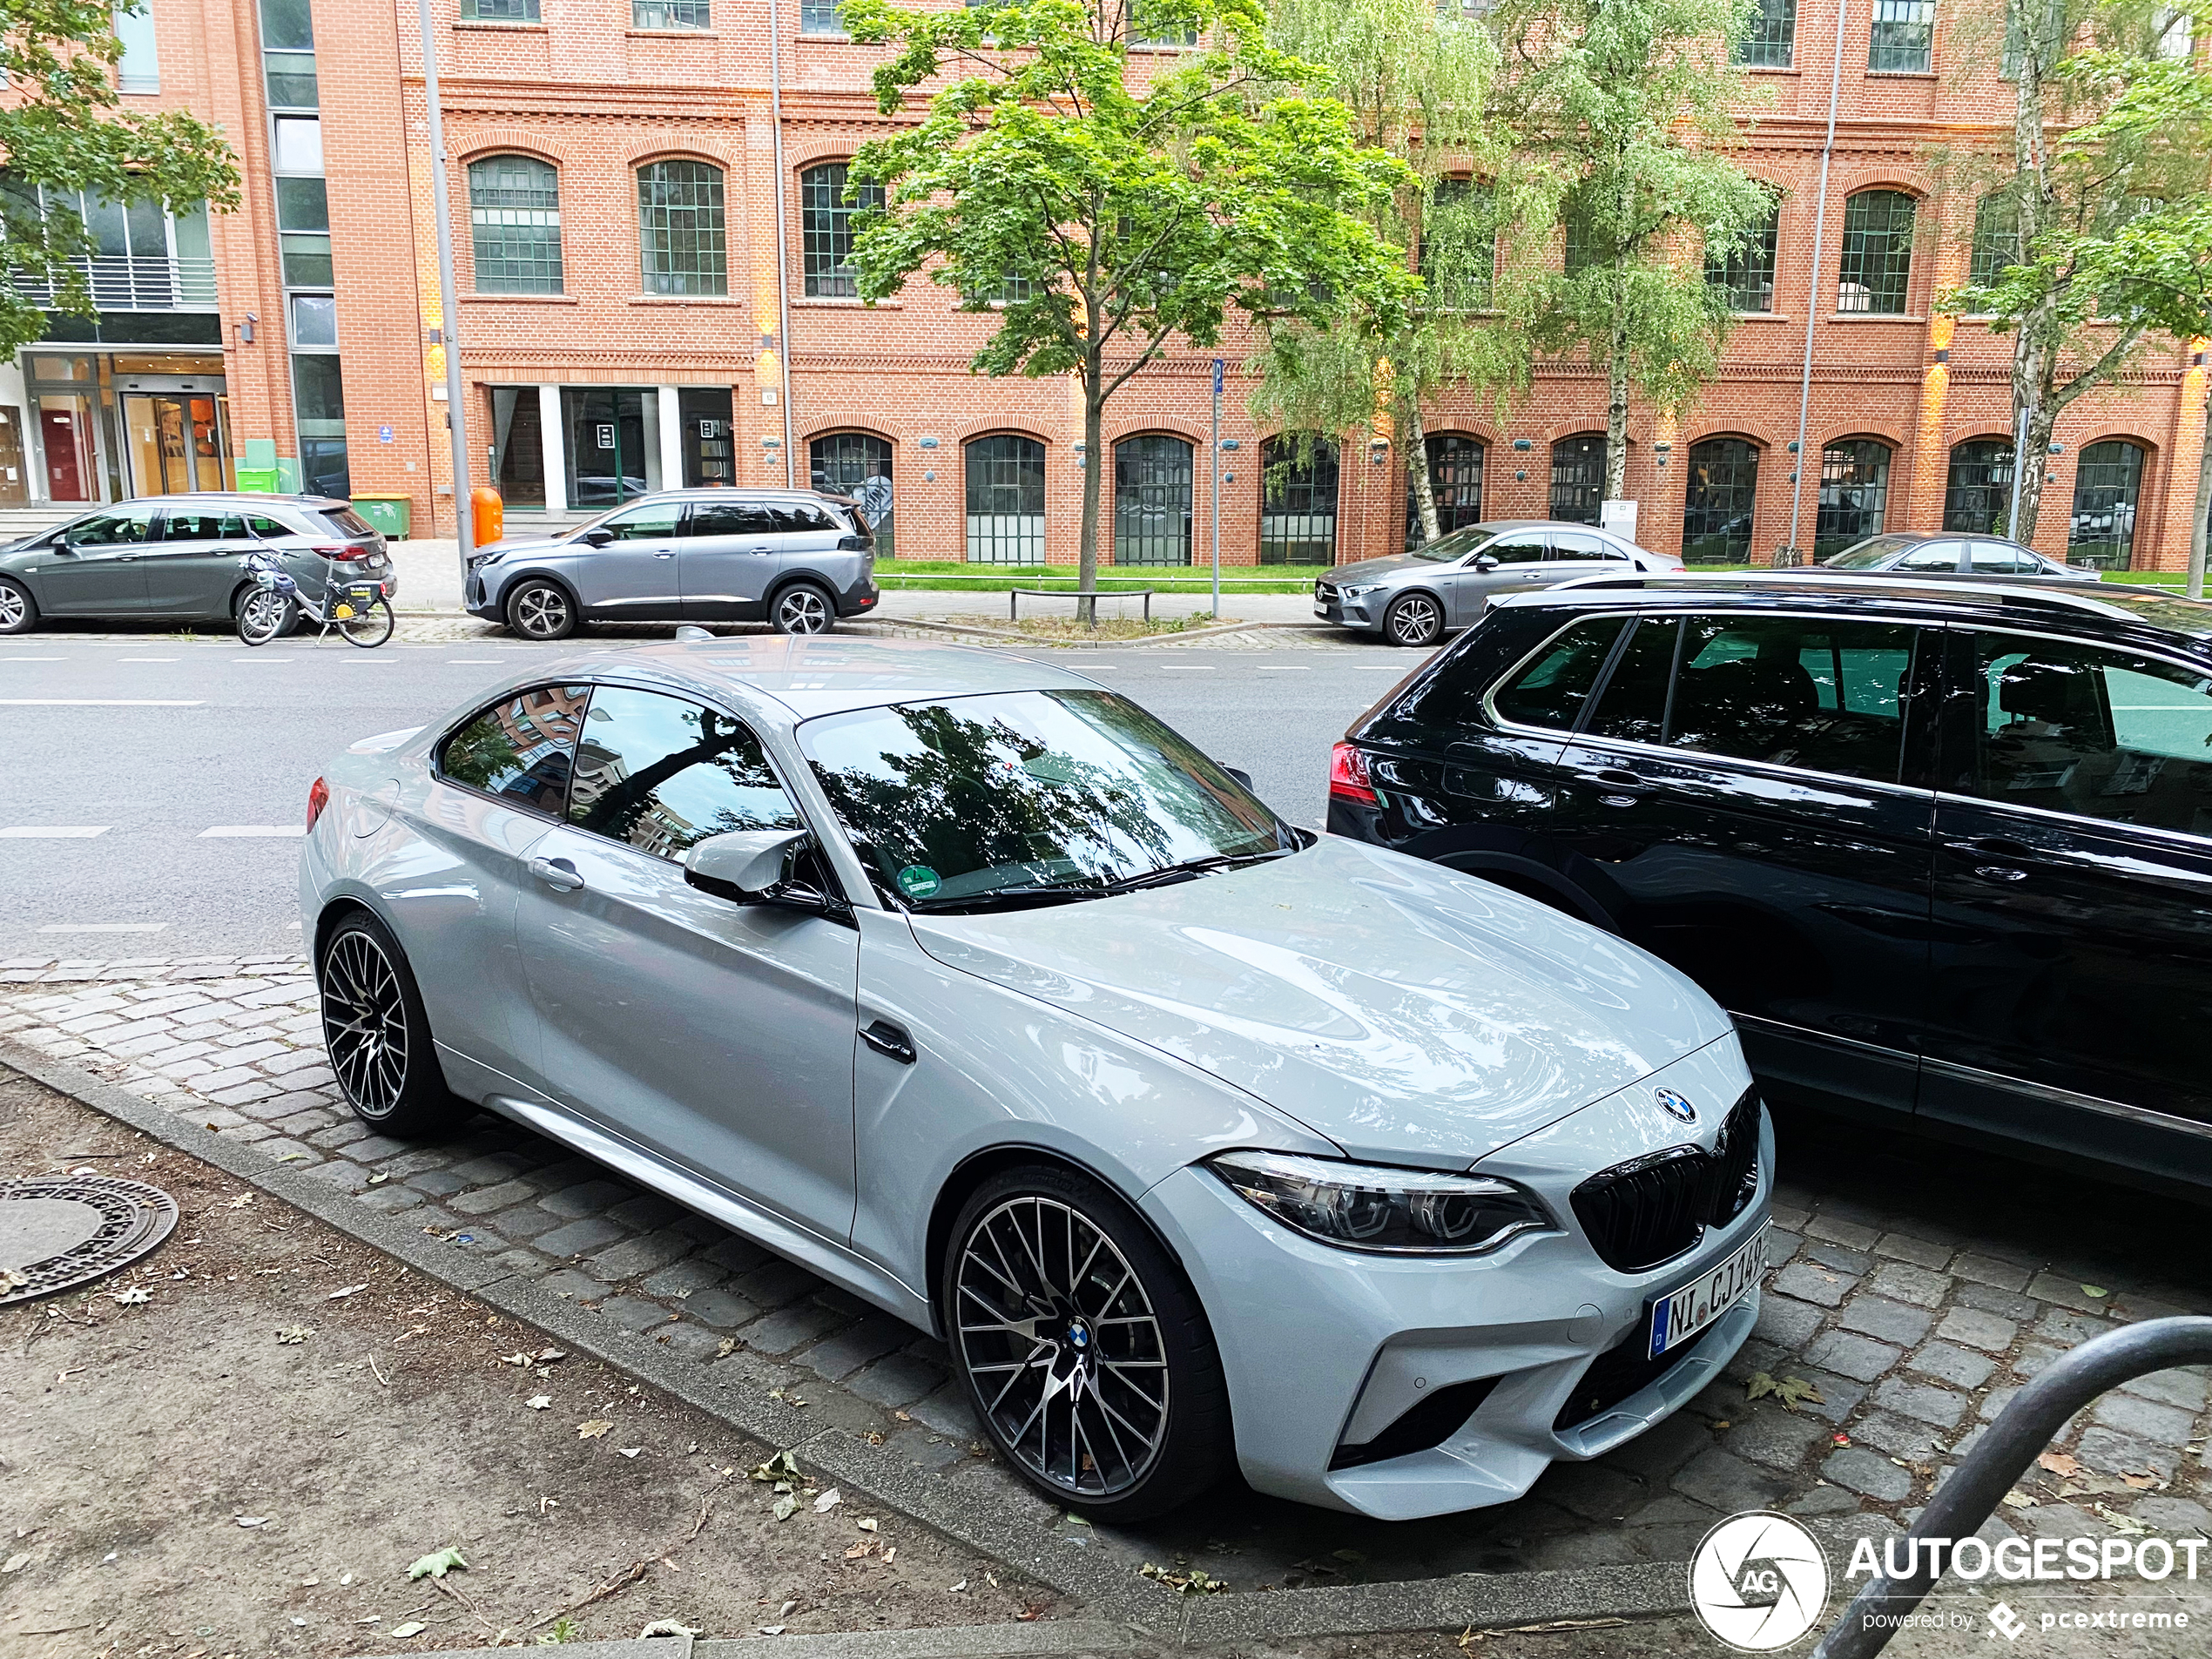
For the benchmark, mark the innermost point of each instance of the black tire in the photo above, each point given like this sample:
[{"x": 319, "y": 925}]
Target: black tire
[
  {"x": 541, "y": 610},
  {"x": 263, "y": 615},
  {"x": 1416, "y": 619},
  {"x": 1152, "y": 1376},
  {"x": 18, "y": 610},
  {"x": 371, "y": 628},
  {"x": 803, "y": 608},
  {"x": 378, "y": 1033}
]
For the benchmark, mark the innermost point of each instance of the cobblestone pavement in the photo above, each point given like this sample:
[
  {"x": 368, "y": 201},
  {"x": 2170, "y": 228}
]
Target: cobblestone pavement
[{"x": 1916, "y": 1287}]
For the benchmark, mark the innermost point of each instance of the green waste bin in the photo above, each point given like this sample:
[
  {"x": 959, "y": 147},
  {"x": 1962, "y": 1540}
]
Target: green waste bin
[
  {"x": 389, "y": 513},
  {"x": 259, "y": 480}
]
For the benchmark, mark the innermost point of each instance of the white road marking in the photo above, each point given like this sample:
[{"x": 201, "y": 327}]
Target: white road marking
[
  {"x": 52, "y": 832},
  {"x": 1286, "y": 668},
  {"x": 479, "y": 660},
  {"x": 12, "y": 658},
  {"x": 105, "y": 927},
  {"x": 100, "y": 703},
  {"x": 265, "y": 659},
  {"x": 1189, "y": 668},
  {"x": 145, "y": 659},
  {"x": 237, "y": 831}
]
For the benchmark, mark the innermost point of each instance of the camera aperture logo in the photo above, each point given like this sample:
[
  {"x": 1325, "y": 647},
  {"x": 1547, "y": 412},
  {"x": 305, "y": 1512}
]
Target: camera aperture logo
[{"x": 1758, "y": 1581}]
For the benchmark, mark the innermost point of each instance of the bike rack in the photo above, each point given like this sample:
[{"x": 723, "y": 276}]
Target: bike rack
[{"x": 2013, "y": 1442}]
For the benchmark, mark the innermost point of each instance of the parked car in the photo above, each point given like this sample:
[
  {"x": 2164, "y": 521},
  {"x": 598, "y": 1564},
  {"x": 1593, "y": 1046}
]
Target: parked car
[
  {"x": 1910, "y": 553},
  {"x": 794, "y": 558},
  {"x": 1140, "y": 1069},
  {"x": 183, "y": 557},
  {"x": 1413, "y": 598},
  {"x": 1943, "y": 851}
]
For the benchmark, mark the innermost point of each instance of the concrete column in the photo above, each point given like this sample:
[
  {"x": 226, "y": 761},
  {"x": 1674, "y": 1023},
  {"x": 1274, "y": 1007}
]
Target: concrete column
[
  {"x": 554, "y": 449},
  {"x": 671, "y": 440}
]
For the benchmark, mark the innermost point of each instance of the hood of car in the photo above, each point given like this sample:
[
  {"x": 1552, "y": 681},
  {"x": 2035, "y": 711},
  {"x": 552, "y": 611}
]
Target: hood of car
[
  {"x": 1402, "y": 1010},
  {"x": 1367, "y": 571},
  {"x": 507, "y": 546}
]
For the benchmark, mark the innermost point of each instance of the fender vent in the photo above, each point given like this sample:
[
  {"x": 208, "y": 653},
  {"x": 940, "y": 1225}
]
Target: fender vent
[{"x": 1429, "y": 1421}]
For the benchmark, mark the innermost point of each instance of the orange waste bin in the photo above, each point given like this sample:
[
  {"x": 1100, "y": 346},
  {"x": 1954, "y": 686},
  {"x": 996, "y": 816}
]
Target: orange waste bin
[{"x": 487, "y": 516}]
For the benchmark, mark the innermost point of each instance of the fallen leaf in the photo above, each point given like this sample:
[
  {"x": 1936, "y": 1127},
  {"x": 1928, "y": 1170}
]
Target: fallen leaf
[
  {"x": 725, "y": 1348},
  {"x": 378, "y": 1179},
  {"x": 2018, "y": 1500},
  {"x": 859, "y": 1550},
  {"x": 241, "y": 1201},
  {"x": 2061, "y": 1463},
  {"x": 772, "y": 1629},
  {"x": 2095, "y": 1290},
  {"x": 549, "y": 1356},
  {"x": 341, "y": 1295},
  {"x": 890, "y": 1555},
  {"x": 136, "y": 1296},
  {"x": 514, "y": 1360},
  {"x": 786, "y": 1507},
  {"x": 412, "y": 1628},
  {"x": 957, "y": 1590},
  {"x": 251, "y": 1520},
  {"x": 293, "y": 1333},
  {"x": 594, "y": 1429},
  {"x": 2127, "y": 1526},
  {"x": 538, "y": 1402},
  {"x": 828, "y": 1501},
  {"x": 2142, "y": 1480},
  {"x": 15, "y": 1563},
  {"x": 782, "y": 1467},
  {"x": 630, "y": 1451},
  {"x": 867, "y": 1523},
  {"x": 666, "y": 1628},
  {"x": 436, "y": 1566}
]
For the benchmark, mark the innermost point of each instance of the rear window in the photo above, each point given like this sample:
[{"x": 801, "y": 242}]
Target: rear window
[{"x": 345, "y": 521}]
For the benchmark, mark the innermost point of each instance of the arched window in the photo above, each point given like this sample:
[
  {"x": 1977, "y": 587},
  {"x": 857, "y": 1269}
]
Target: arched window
[
  {"x": 1718, "y": 501},
  {"x": 1854, "y": 494},
  {"x": 857, "y": 464},
  {"x": 1997, "y": 238},
  {"x": 1578, "y": 477},
  {"x": 1006, "y": 501},
  {"x": 826, "y": 229},
  {"x": 2105, "y": 484},
  {"x": 679, "y": 228},
  {"x": 1454, "y": 478},
  {"x": 1878, "y": 253},
  {"x": 1298, "y": 502},
  {"x": 1152, "y": 501},
  {"x": 515, "y": 219},
  {"x": 1978, "y": 496}
]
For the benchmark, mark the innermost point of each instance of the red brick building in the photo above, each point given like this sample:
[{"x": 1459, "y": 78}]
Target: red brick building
[{"x": 652, "y": 293}]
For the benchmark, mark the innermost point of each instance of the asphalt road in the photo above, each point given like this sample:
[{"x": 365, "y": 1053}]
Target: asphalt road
[{"x": 191, "y": 759}]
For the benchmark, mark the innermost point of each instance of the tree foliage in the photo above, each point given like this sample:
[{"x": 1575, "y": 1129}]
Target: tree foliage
[{"x": 61, "y": 133}]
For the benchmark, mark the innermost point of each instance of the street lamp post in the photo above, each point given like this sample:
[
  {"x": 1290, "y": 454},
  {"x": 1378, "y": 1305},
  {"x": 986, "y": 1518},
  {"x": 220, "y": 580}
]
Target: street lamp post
[{"x": 448, "y": 336}]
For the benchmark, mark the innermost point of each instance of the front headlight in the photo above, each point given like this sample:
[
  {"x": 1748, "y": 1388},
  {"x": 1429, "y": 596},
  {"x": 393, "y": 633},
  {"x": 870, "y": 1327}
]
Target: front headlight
[
  {"x": 1360, "y": 1206},
  {"x": 1359, "y": 593}
]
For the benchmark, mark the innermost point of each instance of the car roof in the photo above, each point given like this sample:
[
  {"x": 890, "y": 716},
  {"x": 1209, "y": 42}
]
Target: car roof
[
  {"x": 2111, "y": 609},
  {"x": 228, "y": 497},
  {"x": 811, "y": 676}
]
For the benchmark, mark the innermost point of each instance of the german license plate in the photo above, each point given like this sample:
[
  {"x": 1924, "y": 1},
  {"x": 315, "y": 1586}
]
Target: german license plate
[{"x": 1677, "y": 1318}]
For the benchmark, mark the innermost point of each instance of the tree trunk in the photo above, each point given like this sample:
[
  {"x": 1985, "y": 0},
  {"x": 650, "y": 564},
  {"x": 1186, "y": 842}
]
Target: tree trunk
[
  {"x": 1417, "y": 469},
  {"x": 2203, "y": 502},
  {"x": 1094, "y": 464},
  {"x": 2034, "y": 459},
  {"x": 2034, "y": 352},
  {"x": 1616, "y": 411}
]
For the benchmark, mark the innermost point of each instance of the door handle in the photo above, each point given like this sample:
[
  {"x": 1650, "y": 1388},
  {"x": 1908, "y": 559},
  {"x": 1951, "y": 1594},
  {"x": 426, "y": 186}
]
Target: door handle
[
  {"x": 669, "y": 554},
  {"x": 1998, "y": 847},
  {"x": 1615, "y": 775},
  {"x": 557, "y": 873},
  {"x": 887, "y": 1039},
  {"x": 2000, "y": 873}
]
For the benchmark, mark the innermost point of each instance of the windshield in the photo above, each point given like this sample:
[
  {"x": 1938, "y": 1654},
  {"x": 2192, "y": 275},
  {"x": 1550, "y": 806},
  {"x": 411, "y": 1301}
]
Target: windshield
[
  {"x": 1458, "y": 544},
  {"x": 1038, "y": 792},
  {"x": 1875, "y": 550}
]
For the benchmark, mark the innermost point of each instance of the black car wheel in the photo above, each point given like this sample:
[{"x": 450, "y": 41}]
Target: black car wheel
[
  {"x": 18, "y": 610},
  {"x": 1414, "y": 619},
  {"x": 803, "y": 608},
  {"x": 378, "y": 1033},
  {"x": 541, "y": 610},
  {"x": 1084, "y": 1349}
]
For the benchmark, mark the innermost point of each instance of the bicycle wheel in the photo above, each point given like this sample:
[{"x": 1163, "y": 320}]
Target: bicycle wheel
[
  {"x": 368, "y": 629},
  {"x": 262, "y": 616}
]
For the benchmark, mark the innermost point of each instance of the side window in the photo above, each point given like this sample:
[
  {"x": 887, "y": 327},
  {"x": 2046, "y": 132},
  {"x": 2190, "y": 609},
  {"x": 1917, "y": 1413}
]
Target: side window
[
  {"x": 1550, "y": 692},
  {"x": 1932, "y": 556},
  {"x": 793, "y": 516},
  {"x": 1633, "y": 706},
  {"x": 519, "y": 749},
  {"x": 202, "y": 527},
  {"x": 1805, "y": 693},
  {"x": 268, "y": 527},
  {"x": 2095, "y": 733},
  {"x": 1995, "y": 558},
  {"x": 653, "y": 521},
  {"x": 112, "y": 529},
  {"x": 1580, "y": 546},
  {"x": 660, "y": 773},
  {"x": 1523, "y": 548},
  {"x": 727, "y": 518}
]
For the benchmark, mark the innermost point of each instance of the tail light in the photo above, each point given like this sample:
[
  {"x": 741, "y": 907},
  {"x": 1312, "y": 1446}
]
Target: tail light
[
  {"x": 345, "y": 550},
  {"x": 1348, "y": 779},
  {"x": 318, "y": 798}
]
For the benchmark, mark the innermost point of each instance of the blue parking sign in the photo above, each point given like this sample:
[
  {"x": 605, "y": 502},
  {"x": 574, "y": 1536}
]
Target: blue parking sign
[{"x": 384, "y": 434}]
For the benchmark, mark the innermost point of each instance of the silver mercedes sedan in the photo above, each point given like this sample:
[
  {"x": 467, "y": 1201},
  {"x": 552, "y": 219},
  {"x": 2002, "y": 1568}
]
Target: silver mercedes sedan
[{"x": 966, "y": 983}]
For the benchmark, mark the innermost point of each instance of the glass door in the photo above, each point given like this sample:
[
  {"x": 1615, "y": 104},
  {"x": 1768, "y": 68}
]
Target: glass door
[
  {"x": 613, "y": 444},
  {"x": 175, "y": 443}
]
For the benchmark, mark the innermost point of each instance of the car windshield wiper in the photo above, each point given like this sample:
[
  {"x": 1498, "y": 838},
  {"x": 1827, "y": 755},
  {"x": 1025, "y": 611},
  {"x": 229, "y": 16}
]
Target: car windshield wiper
[
  {"x": 1008, "y": 898},
  {"x": 1191, "y": 869}
]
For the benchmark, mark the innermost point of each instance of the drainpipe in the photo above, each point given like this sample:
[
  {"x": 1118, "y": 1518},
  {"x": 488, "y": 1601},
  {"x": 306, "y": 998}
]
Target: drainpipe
[
  {"x": 783, "y": 261},
  {"x": 1812, "y": 288},
  {"x": 450, "y": 336}
]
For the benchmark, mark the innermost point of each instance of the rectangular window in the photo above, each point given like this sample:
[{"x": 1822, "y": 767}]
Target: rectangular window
[
  {"x": 499, "y": 11},
  {"x": 670, "y": 14},
  {"x": 1459, "y": 248},
  {"x": 314, "y": 320},
  {"x": 306, "y": 261},
  {"x": 140, "y": 70},
  {"x": 1745, "y": 272},
  {"x": 319, "y": 390},
  {"x": 1902, "y": 39},
  {"x": 1771, "y": 41},
  {"x": 821, "y": 18},
  {"x": 299, "y": 144},
  {"x": 287, "y": 24},
  {"x": 302, "y": 205},
  {"x": 292, "y": 80}
]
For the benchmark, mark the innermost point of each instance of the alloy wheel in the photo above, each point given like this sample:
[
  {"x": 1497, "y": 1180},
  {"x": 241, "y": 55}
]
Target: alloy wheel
[
  {"x": 541, "y": 612},
  {"x": 364, "y": 1022},
  {"x": 802, "y": 611},
  {"x": 11, "y": 608},
  {"x": 1416, "y": 619},
  {"x": 1060, "y": 1337}
]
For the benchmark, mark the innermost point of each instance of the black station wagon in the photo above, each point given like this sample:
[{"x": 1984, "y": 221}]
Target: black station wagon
[{"x": 1943, "y": 849}]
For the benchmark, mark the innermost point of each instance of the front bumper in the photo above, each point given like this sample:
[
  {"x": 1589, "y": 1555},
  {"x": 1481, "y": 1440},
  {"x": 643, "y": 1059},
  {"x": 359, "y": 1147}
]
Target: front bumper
[
  {"x": 1324, "y": 1348},
  {"x": 1365, "y": 611},
  {"x": 476, "y": 597}
]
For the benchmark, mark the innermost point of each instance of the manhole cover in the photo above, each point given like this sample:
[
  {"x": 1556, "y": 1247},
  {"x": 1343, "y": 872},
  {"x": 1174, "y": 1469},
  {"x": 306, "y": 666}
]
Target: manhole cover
[{"x": 65, "y": 1231}]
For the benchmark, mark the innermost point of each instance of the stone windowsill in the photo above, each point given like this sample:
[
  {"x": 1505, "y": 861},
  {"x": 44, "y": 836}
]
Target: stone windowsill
[
  {"x": 685, "y": 300},
  {"x": 520, "y": 299}
]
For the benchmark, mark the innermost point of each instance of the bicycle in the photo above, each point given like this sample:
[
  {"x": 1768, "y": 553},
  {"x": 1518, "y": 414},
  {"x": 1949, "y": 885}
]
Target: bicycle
[{"x": 358, "y": 610}]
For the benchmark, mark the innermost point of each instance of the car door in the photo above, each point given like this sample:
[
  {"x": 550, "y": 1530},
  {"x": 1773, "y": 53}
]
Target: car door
[
  {"x": 94, "y": 567},
  {"x": 1749, "y": 794},
  {"x": 1579, "y": 553},
  {"x": 1512, "y": 563},
  {"x": 727, "y": 555},
  {"x": 192, "y": 571},
  {"x": 2073, "y": 900},
  {"x": 634, "y": 573},
  {"x": 715, "y": 1035}
]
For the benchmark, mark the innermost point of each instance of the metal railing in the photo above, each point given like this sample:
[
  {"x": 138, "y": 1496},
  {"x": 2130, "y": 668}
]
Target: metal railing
[
  {"x": 122, "y": 282},
  {"x": 1962, "y": 1503}
]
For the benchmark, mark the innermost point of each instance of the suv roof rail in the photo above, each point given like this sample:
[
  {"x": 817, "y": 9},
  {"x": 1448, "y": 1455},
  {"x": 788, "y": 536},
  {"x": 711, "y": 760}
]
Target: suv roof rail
[{"x": 2021, "y": 594}]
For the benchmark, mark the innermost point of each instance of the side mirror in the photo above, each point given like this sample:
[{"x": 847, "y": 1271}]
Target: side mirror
[
  {"x": 1240, "y": 775},
  {"x": 1485, "y": 563},
  {"x": 599, "y": 536},
  {"x": 745, "y": 865}
]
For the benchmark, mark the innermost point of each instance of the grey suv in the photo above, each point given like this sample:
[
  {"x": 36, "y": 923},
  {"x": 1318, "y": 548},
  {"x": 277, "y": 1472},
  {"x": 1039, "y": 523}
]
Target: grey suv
[
  {"x": 791, "y": 557},
  {"x": 183, "y": 557}
]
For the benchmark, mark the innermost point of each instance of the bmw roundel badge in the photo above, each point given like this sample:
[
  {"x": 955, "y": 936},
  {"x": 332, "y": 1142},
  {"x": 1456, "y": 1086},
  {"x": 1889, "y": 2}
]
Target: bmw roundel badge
[{"x": 1674, "y": 1106}]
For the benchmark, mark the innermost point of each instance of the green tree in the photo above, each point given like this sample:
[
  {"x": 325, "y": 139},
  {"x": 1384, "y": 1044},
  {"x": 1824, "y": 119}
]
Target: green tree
[
  {"x": 1625, "y": 110},
  {"x": 1100, "y": 212},
  {"x": 1416, "y": 80},
  {"x": 60, "y": 134},
  {"x": 2042, "y": 232}
]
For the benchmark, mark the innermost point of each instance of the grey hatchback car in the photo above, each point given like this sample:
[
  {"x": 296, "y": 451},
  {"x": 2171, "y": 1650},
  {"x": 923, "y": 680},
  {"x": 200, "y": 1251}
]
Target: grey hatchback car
[
  {"x": 1412, "y": 597},
  {"x": 791, "y": 557},
  {"x": 183, "y": 557}
]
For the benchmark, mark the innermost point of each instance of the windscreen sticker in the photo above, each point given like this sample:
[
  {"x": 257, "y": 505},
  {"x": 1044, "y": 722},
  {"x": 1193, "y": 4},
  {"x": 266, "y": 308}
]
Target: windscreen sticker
[{"x": 918, "y": 881}]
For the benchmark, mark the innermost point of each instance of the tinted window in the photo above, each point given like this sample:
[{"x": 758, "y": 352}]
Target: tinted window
[
  {"x": 1552, "y": 690},
  {"x": 2096, "y": 734},
  {"x": 519, "y": 749},
  {"x": 1633, "y": 706},
  {"x": 1934, "y": 556},
  {"x": 261, "y": 526},
  {"x": 345, "y": 521},
  {"x": 202, "y": 527},
  {"x": 1815, "y": 695},
  {"x": 1525, "y": 548},
  {"x": 1998, "y": 558},
  {"x": 1577, "y": 545},
  {"x": 653, "y": 520},
  {"x": 1869, "y": 554},
  {"x": 728, "y": 518},
  {"x": 111, "y": 529},
  {"x": 791, "y": 516},
  {"x": 661, "y": 774}
]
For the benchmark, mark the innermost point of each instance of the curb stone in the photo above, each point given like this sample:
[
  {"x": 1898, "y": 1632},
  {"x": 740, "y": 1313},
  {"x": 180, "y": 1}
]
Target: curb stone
[
  {"x": 1067, "y": 1637},
  {"x": 1488, "y": 1600}
]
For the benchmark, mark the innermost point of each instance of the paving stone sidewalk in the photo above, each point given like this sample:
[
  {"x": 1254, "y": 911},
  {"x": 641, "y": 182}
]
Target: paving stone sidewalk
[{"x": 1916, "y": 1288}]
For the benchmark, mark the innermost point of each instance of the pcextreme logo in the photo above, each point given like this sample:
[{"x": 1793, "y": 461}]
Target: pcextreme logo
[{"x": 1758, "y": 1581}]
